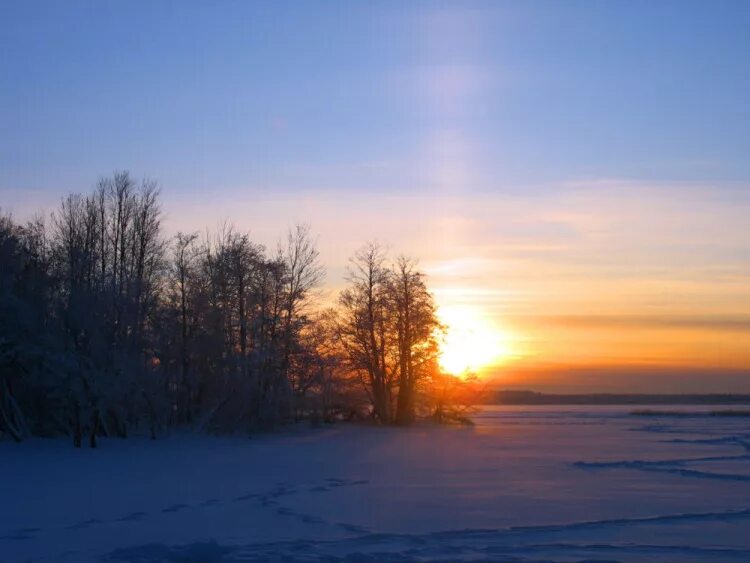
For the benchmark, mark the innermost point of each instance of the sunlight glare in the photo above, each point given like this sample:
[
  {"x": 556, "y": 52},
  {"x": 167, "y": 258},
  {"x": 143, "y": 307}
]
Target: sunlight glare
[{"x": 471, "y": 341}]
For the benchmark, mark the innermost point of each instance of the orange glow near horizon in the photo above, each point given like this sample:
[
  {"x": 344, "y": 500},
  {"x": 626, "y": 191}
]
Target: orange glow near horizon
[{"x": 471, "y": 342}]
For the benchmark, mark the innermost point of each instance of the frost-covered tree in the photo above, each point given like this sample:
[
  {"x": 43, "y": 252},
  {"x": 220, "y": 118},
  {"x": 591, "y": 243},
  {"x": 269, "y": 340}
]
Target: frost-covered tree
[{"x": 109, "y": 328}]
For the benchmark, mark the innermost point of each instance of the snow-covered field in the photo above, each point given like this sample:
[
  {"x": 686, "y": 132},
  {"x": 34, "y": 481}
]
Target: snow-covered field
[{"x": 525, "y": 484}]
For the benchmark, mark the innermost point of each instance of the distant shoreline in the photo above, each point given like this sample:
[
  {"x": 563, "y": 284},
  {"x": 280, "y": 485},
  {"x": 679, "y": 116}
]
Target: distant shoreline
[{"x": 506, "y": 397}]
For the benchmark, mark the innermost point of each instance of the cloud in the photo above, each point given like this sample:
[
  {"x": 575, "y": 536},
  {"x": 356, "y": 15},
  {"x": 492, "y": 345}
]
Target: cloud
[{"x": 735, "y": 323}]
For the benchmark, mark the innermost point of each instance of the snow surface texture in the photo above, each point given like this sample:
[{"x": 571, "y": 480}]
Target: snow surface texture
[{"x": 525, "y": 484}]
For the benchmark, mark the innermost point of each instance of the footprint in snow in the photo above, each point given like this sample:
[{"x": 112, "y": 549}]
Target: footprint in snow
[
  {"x": 266, "y": 501},
  {"x": 334, "y": 482},
  {"x": 353, "y": 528},
  {"x": 132, "y": 517},
  {"x": 175, "y": 508},
  {"x": 21, "y": 534},
  {"x": 84, "y": 524}
]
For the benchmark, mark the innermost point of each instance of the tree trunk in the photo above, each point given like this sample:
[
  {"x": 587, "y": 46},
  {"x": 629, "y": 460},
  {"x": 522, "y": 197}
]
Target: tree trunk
[
  {"x": 94, "y": 429},
  {"x": 8, "y": 424},
  {"x": 12, "y": 417},
  {"x": 77, "y": 433}
]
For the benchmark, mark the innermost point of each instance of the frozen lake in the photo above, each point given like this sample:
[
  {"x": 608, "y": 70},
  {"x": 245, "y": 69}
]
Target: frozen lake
[{"x": 525, "y": 484}]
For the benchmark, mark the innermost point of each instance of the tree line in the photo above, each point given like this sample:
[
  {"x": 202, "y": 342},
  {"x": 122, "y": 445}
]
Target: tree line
[{"x": 109, "y": 328}]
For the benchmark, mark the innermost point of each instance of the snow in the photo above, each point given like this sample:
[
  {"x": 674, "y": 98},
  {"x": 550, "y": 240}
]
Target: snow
[{"x": 524, "y": 484}]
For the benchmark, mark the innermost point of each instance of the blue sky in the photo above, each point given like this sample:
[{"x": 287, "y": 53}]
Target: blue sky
[
  {"x": 344, "y": 94},
  {"x": 575, "y": 174}
]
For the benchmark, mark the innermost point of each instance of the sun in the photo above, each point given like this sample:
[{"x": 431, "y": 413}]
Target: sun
[{"x": 471, "y": 342}]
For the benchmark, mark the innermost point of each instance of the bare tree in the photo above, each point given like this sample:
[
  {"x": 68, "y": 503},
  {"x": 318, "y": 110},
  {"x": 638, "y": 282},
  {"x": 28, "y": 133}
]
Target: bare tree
[
  {"x": 107, "y": 329},
  {"x": 183, "y": 266},
  {"x": 388, "y": 330},
  {"x": 365, "y": 327},
  {"x": 303, "y": 273},
  {"x": 416, "y": 333}
]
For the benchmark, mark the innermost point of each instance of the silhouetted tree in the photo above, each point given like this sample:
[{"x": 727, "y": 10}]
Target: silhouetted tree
[
  {"x": 366, "y": 328},
  {"x": 416, "y": 334},
  {"x": 107, "y": 328},
  {"x": 388, "y": 331}
]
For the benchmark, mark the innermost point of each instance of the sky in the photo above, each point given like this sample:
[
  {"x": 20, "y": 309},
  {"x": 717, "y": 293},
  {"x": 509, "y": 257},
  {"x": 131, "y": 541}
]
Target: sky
[{"x": 573, "y": 176}]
